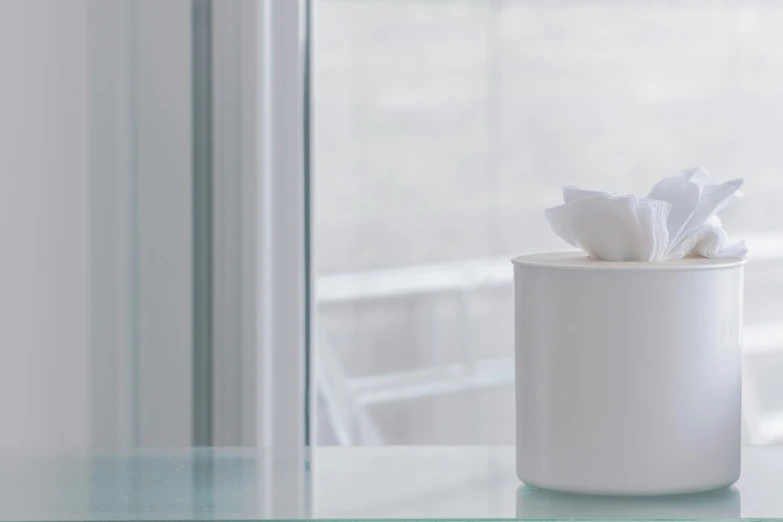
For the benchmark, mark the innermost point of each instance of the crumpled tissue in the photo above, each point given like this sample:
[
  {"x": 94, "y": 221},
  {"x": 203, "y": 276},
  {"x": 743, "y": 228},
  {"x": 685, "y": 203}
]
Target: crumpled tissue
[{"x": 678, "y": 218}]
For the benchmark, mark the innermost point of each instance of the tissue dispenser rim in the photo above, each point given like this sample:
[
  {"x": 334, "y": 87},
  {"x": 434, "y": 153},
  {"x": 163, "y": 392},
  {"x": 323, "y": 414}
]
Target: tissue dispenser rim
[{"x": 578, "y": 260}]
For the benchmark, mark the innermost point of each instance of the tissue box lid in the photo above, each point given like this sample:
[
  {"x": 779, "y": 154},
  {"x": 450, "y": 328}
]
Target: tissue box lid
[{"x": 578, "y": 260}]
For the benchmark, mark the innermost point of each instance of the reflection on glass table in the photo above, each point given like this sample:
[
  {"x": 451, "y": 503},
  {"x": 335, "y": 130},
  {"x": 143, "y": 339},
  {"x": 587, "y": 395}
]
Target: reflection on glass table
[{"x": 412, "y": 482}]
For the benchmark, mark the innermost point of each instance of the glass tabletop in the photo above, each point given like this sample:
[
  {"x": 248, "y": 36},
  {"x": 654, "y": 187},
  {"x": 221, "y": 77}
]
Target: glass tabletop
[{"x": 402, "y": 482}]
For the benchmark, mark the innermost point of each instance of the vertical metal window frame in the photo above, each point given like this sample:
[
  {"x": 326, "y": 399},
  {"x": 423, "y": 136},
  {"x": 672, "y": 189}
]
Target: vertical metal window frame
[
  {"x": 261, "y": 223},
  {"x": 260, "y": 243},
  {"x": 283, "y": 214},
  {"x": 252, "y": 181}
]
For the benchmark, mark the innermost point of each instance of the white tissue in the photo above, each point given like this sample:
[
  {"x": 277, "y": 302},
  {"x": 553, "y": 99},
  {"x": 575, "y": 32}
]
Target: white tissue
[{"x": 676, "y": 219}]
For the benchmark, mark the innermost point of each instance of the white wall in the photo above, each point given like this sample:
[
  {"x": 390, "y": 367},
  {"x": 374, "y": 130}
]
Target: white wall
[{"x": 44, "y": 225}]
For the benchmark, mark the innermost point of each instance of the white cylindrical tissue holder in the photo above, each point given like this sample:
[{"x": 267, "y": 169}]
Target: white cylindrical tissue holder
[{"x": 628, "y": 376}]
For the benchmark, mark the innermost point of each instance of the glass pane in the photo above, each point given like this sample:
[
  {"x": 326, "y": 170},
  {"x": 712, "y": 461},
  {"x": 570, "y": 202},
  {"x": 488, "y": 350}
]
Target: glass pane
[{"x": 444, "y": 128}]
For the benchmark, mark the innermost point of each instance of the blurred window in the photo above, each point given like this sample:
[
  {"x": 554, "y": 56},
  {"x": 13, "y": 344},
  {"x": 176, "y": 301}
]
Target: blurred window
[{"x": 442, "y": 130}]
